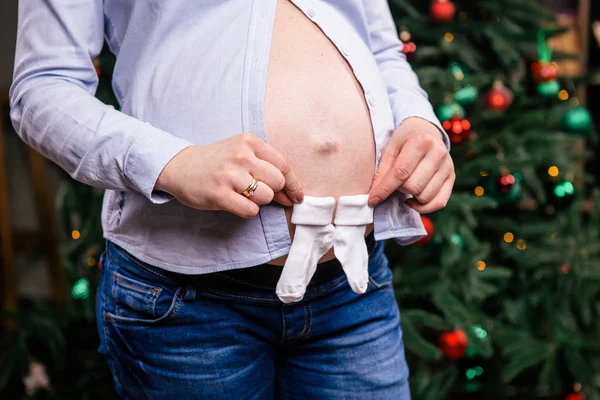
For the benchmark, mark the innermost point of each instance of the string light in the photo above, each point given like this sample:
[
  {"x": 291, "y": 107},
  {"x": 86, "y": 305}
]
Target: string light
[
  {"x": 75, "y": 234},
  {"x": 565, "y": 268},
  {"x": 471, "y": 373},
  {"x": 456, "y": 239},
  {"x": 91, "y": 261},
  {"x": 448, "y": 37},
  {"x": 553, "y": 171},
  {"x": 509, "y": 237},
  {"x": 480, "y": 332},
  {"x": 484, "y": 173},
  {"x": 457, "y": 71},
  {"x": 481, "y": 265},
  {"x": 564, "y": 189},
  {"x": 479, "y": 191},
  {"x": 521, "y": 244},
  {"x": 81, "y": 289},
  {"x": 463, "y": 15},
  {"x": 563, "y": 95}
]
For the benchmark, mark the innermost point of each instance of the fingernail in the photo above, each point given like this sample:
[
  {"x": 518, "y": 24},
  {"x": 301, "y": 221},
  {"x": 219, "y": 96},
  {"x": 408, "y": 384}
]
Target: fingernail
[{"x": 374, "y": 201}]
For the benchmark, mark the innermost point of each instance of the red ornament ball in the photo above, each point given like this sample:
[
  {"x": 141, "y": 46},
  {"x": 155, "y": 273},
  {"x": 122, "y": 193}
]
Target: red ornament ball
[
  {"x": 454, "y": 344},
  {"x": 458, "y": 129},
  {"x": 498, "y": 98},
  {"x": 409, "y": 48},
  {"x": 575, "y": 396},
  {"x": 543, "y": 71},
  {"x": 428, "y": 228},
  {"x": 442, "y": 10}
]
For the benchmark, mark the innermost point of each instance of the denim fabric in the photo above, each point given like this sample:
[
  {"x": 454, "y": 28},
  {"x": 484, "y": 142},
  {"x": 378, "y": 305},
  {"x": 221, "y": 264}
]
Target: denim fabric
[{"x": 172, "y": 336}]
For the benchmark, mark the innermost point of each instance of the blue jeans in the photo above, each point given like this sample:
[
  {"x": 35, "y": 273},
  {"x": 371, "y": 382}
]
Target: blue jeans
[{"x": 171, "y": 336}]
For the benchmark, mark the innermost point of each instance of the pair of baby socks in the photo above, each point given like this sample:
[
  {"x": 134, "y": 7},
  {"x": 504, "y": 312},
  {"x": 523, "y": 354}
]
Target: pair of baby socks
[{"x": 316, "y": 235}]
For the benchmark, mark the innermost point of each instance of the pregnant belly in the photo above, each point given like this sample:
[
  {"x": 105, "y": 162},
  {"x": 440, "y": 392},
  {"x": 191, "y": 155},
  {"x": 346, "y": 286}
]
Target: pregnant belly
[{"x": 315, "y": 112}]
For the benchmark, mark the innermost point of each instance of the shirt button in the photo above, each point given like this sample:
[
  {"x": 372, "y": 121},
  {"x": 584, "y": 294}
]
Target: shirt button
[
  {"x": 345, "y": 51},
  {"x": 311, "y": 13},
  {"x": 371, "y": 101}
]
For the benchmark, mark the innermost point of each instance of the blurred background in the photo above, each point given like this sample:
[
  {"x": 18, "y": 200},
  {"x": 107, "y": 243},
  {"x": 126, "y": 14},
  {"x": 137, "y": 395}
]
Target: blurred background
[{"x": 500, "y": 301}]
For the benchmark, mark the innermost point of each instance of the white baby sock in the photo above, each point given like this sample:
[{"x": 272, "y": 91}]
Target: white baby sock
[
  {"x": 351, "y": 217},
  {"x": 313, "y": 238}
]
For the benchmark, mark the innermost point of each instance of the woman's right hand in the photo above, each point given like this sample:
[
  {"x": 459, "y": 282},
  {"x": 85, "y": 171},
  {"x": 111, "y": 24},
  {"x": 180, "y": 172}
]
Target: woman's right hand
[{"x": 212, "y": 177}]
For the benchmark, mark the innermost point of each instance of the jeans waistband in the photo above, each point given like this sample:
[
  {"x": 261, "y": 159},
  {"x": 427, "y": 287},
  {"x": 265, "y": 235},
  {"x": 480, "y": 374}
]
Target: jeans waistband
[{"x": 267, "y": 275}]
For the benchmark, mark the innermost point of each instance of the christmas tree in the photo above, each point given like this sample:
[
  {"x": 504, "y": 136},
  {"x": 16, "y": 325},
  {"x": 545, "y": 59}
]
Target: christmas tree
[{"x": 502, "y": 299}]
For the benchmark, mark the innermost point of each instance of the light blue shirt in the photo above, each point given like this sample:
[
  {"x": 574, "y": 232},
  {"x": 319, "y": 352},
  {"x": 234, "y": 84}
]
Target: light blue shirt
[{"x": 189, "y": 72}]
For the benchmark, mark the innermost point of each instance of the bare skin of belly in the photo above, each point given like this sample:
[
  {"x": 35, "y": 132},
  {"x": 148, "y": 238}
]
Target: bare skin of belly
[{"x": 315, "y": 113}]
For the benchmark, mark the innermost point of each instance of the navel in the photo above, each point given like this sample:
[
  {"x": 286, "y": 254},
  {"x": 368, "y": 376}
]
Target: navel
[{"x": 327, "y": 145}]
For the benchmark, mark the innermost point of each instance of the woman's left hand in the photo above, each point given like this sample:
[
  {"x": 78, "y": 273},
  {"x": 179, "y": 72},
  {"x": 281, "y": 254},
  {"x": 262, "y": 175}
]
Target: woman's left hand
[{"x": 415, "y": 161}]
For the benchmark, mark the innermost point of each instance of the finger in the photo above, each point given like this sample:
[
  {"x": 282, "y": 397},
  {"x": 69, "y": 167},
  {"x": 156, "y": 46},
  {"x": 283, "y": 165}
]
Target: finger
[
  {"x": 283, "y": 199},
  {"x": 262, "y": 194},
  {"x": 239, "y": 205},
  {"x": 424, "y": 174},
  {"x": 434, "y": 186},
  {"x": 292, "y": 186},
  {"x": 407, "y": 160},
  {"x": 243, "y": 182},
  {"x": 388, "y": 156},
  {"x": 267, "y": 173},
  {"x": 438, "y": 202}
]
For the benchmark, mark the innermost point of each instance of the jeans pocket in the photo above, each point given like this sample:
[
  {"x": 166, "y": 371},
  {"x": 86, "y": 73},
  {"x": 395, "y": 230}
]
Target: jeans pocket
[
  {"x": 132, "y": 294},
  {"x": 137, "y": 302}
]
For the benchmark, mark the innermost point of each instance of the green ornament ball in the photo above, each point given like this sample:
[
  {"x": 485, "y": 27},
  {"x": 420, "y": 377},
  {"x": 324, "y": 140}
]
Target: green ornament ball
[
  {"x": 578, "y": 120},
  {"x": 449, "y": 110},
  {"x": 466, "y": 95},
  {"x": 548, "y": 89}
]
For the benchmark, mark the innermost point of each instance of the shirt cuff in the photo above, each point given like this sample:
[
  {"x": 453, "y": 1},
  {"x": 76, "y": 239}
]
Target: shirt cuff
[
  {"x": 147, "y": 157},
  {"x": 419, "y": 107}
]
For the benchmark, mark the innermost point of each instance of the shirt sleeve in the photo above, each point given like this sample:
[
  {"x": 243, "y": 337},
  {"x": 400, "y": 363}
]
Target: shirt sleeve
[
  {"x": 407, "y": 98},
  {"x": 54, "y": 110}
]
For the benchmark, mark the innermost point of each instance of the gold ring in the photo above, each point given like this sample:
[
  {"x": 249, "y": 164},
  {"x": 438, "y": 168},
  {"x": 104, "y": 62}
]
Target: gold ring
[{"x": 251, "y": 188}]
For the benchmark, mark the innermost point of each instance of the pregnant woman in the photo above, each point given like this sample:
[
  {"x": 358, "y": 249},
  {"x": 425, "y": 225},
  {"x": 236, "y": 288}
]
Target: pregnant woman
[{"x": 247, "y": 128}]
